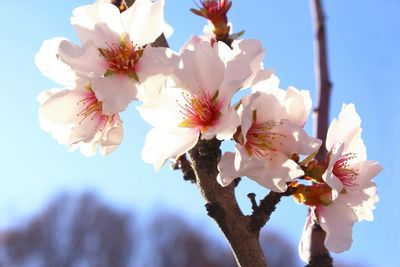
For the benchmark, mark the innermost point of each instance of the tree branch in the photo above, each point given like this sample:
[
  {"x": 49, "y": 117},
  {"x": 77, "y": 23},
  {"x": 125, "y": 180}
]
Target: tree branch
[
  {"x": 319, "y": 254},
  {"x": 262, "y": 212},
  {"x": 222, "y": 206}
]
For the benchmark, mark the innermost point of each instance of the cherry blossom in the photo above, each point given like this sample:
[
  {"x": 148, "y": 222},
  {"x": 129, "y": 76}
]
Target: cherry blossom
[
  {"x": 199, "y": 105},
  {"x": 270, "y": 133},
  {"x": 115, "y": 54},
  {"x": 352, "y": 195},
  {"x": 75, "y": 118}
]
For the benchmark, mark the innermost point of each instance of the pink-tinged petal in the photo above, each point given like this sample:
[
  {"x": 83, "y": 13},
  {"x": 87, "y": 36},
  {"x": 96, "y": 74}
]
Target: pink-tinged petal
[
  {"x": 268, "y": 108},
  {"x": 293, "y": 139},
  {"x": 298, "y": 105},
  {"x": 99, "y": 22},
  {"x": 305, "y": 241},
  {"x": 61, "y": 107},
  {"x": 144, "y": 21},
  {"x": 337, "y": 220},
  {"x": 112, "y": 137},
  {"x": 362, "y": 202},
  {"x": 225, "y": 127},
  {"x": 227, "y": 171},
  {"x": 334, "y": 182},
  {"x": 162, "y": 144},
  {"x": 250, "y": 52},
  {"x": 344, "y": 128},
  {"x": 202, "y": 69},
  {"x": 366, "y": 171},
  {"x": 84, "y": 61},
  {"x": 236, "y": 74},
  {"x": 163, "y": 110},
  {"x": 192, "y": 42},
  {"x": 265, "y": 80},
  {"x": 85, "y": 130},
  {"x": 60, "y": 132},
  {"x": 50, "y": 65},
  {"x": 272, "y": 172},
  {"x": 154, "y": 68},
  {"x": 115, "y": 92}
]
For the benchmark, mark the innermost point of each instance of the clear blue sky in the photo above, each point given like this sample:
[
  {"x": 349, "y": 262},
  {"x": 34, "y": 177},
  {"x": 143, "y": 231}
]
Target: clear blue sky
[{"x": 364, "y": 55}]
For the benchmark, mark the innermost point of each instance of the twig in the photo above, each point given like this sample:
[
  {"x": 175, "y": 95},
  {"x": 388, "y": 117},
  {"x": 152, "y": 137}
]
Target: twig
[
  {"x": 262, "y": 212},
  {"x": 319, "y": 254}
]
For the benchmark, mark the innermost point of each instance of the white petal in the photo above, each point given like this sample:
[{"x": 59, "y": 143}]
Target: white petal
[
  {"x": 337, "y": 220},
  {"x": 50, "y": 65},
  {"x": 162, "y": 144},
  {"x": 62, "y": 107},
  {"x": 298, "y": 105},
  {"x": 225, "y": 127},
  {"x": 265, "y": 80},
  {"x": 344, "y": 128},
  {"x": 115, "y": 92},
  {"x": 226, "y": 167},
  {"x": 144, "y": 21},
  {"x": 154, "y": 68},
  {"x": 163, "y": 110},
  {"x": 293, "y": 139},
  {"x": 85, "y": 61},
  {"x": 202, "y": 69},
  {"x": 272, "y": 172},
  {"x": 305, "y": 241},
  {"x": 99, "y": 22}
]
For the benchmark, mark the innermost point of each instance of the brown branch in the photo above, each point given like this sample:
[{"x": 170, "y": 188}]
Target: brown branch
[
  {"x": 222, "y": 206},
  {"x": 319, "y": 254},
  {"x": 262, "y": 212},
  {"x": 183, "y": 164}
]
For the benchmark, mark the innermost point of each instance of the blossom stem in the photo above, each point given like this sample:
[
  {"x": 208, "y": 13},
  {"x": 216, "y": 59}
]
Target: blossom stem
[{"x": 319, "y": 254}]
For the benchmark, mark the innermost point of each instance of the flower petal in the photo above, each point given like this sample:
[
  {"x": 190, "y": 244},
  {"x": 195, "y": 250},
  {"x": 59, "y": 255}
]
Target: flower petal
[
  {"x": 50, "y": 65},
  {"x": 227, "y": 171},
  {"x": 84, "y": 61},
  {"x": 99, "y": 22},
  {"x": 115, "y": 92},
  {"x": 337, "y": 220},
  {"x": 272, "y": 172},
  {"x": 202, "y": 69},
  {"x": 162, "y": 144},
  {"x": 144, "y": 21}
]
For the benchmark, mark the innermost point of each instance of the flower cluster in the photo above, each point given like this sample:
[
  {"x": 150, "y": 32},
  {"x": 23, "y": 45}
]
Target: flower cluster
[{"x": 189, "y": 96}]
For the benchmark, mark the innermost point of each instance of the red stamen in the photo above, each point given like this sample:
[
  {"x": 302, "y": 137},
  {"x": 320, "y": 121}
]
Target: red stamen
[
  {"x": 261, "y": 141},
  {"x": 341, "y": 170},
  {"x": 201, "y": 111}
]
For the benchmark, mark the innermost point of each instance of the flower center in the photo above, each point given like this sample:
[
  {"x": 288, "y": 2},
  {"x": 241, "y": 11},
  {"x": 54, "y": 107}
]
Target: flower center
[
  {"x": 342, "y": 170},
  {"x": 201, "y": 111},
  {"x": 122, "y": 58},
  {"x": 261, "y": 141},
  {"x": 92, "y": 109}
]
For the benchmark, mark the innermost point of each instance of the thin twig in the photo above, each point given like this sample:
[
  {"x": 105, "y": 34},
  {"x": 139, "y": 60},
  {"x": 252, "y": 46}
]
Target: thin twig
[
  {"x": 319, "y": 254},
  {"x": 262, "y": 212}
]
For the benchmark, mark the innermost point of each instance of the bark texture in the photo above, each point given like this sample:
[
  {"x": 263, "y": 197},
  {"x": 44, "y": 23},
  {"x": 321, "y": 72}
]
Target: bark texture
[{"x": 222, "y": 206}]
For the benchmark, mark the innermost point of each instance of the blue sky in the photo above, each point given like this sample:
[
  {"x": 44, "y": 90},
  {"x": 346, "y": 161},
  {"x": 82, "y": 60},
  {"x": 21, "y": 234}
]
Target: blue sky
[{"x": 364, "y": 57}]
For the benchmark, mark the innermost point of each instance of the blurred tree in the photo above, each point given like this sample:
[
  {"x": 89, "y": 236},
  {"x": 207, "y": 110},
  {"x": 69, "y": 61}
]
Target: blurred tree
[
  {"x": 84, "y": 232},
  {"x": 71, "y": 232}
]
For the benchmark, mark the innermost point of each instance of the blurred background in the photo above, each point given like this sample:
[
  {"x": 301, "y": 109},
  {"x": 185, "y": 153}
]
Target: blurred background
[{"x": 59, "y": 208}]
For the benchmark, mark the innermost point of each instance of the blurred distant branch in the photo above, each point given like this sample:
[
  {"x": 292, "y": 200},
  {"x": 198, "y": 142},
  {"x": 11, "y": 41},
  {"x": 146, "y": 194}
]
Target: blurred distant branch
[{"x": 319, "y": 254}]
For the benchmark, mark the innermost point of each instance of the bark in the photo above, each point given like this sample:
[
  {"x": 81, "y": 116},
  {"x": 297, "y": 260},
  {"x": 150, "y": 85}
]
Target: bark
[
  {"x": 222, "y": 206},
  {"x": 319, "y": 254}
]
